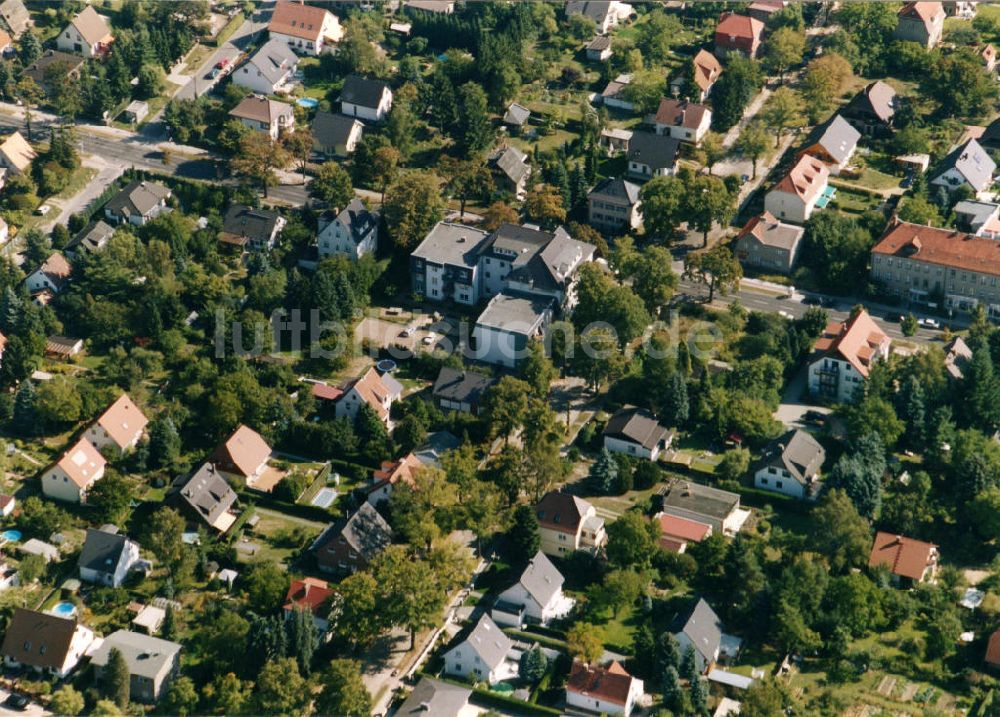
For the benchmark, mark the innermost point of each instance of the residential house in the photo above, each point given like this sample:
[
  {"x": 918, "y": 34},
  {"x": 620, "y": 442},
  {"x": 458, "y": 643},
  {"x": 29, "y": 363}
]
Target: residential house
[
  {"x": 336, "y": 135},
  {"x": 107, "y": 557},
  {"x": 7, "y": 504},
  {"x": 676, "y": 532},
  {"x": 763, "y": 10},
  {"x": 511, "y": 170},
  {"x": 365, "y": 98},
  {"x": 701, "y": 629},
  {"x": 246, "y": 227},
  {"x": 974, "y": 216},
  {"x": 437, "y": 698},
  {"x": 516, "y": 116},
  {"x": 389, "y": 474},
  {"x": 615, "y": 93},
  {"x": 536, "y": 598},
  {"x": 53, "y": 275},
  {"x": 307, "y": 29},
  {"x": 957, "y": 356},
  {"x": 9, "y": 577},
  {"x": 607, "y": 690},
  {"x": 73, "y": 475},
  {"x": 271, "y": 70},
  {"x": 920, "y": 22},
  {"x": 833, "y": 142},
  {"x": 15, "y": 16},
  {"x": 265, "y": 115},
  {"x": 446, "y": 263},
  {"x": 375, "y": 389},
  {"x": 687, "y": 121},
  {"x": 613, "y": 206},
  {"x": 152, "y": 663},
  {"x": 707, "y": 70},
  {"x": 988, "y": 53},
  {"x": 507, "y": 325},
  {"x": 921, "y": 264},
  {"x": 461, "y": 390},
  {"x": 599, "y": 49},
  {"x": 767, "y": 244},
  {"x": 45, "y": 643},
  {"x": 351, "y": 543},
  {"x": 960, "y": 8},
  {"x": 242, "y": 458},
  {"x": 121, "y": 426},
  {"x": 314, "y": 596},
  {"x": 993, "y": 650},
  {"x": 63, "y": 347},
  {"x": 483, "y": 655},
  {"x": 704, "y": 504},
  {"x": 69, "y": 65},
  {"x": 16, "y": 154},
  {"x": 135, "y": 112},
  {"x": 871, "y": 110},
  {"x": 844, "y": 355},
  {"x": 740, "y": 34},
  {"x": 205, "y": 498},
  {"x": 441, "y": 7},
  {"x": 802, "y": 190},
  {"x": 606, "y": 14},
  {"x": 907, "y": 559},
  {"x": 636, "y": 432},
  {"x": 790, "y": 465},
  {"x": 46, "y": 551},
  {"x": 567, "y": 523},
  {"x": 652, "y": 155},
  {"x": 967, "y": 165},
  {"x": 149, "y": 619},
  {"x": 137, "y": 203},
  {"x": 88, "y": 34},
  {"x": 351, "y": 232}
]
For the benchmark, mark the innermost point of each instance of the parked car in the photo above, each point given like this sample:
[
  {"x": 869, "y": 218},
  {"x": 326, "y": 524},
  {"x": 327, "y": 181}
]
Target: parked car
[
  {"x": 812, "y": 301},
  {"x": 17, "y": 701},
  {"x": 406, "y": 333},
  {"x": 43, "y": 210},
  {"x": 221, "y": 67},
  {"x": 812, "y": 416},
  {"x": 895, "y": 318},
  {"x": 929, "y": 323}
]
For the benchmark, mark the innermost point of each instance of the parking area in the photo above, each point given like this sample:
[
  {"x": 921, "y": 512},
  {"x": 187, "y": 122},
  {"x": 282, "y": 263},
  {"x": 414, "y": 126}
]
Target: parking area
[
  {"x": 32, "y": 709},
  {"x": 422, "y": 332}
]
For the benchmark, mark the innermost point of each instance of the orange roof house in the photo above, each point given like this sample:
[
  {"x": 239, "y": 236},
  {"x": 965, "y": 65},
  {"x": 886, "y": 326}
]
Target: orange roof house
[
  {"x": 121, "y": 425},
  {"x": 305, "y": 28},
  {"x": 706, "y": 70},
  {"x": 921, "y": 22},
  {"x": 608, "y": 689},
  {"x": 314, "y": 596},
  {"x": 243, "y": 455},
  {"x": 905, "y": 557},
  {"x": 843, "y": 356},
  {"x": 391, "y": 473},
  {"x": 797, "y": 194},
  {"x": 375, "y": 389},
  {"x": 738, "y": 34},
  {"x": 676, "y": 532},
  {"x": 74, "y": 473},
  {"x": 993, "y": 650}
]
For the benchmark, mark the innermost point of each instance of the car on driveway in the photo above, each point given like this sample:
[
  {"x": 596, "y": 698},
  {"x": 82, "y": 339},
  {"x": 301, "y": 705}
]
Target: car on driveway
[
  {"x": 43, "y": 210},
  {"x": 929, "y": 323},
  {"x": 17, "y": 701},
  {"x": 812, "y": 416}
]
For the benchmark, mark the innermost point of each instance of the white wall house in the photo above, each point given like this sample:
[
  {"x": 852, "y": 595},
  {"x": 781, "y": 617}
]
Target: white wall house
[
  {"x": 790, "y": 465},
  {"x": 365, "y": 98},
  {"x": 352, "y": 232},
  {"x": 483, "y": 656},
  {"x": 843, "y": 356},
  {"x": 44, "y": 643},
  {"x": 636, "y": 432},
  {"x": 377, "y": 390},
  {"x": 107, "y": 557},
  {"x": 306, "y": 29},
  {"x": 87, "y": 34},
  {"x": 796, "y": 195},
  {"x": 71, "y": 477},
  {"x": 537, "y": 597},
  {"x": 121, "y": 426},
  {"x": 607, "y": 690},
  {"x": 270, "y": 70},
  {"x": 567, "y": 523}
]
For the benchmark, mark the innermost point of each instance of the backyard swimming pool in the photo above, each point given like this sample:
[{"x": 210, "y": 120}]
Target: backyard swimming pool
[
  {"x": 64, "y": 609},
  {"x": 11, "y": 536},
  {"x": 308, "y": 102},
  {"x": 325, "y": 497}
]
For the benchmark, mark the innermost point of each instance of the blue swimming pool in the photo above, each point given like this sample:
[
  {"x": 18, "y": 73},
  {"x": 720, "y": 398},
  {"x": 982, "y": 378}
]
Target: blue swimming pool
[
  {"x": 11, "y": 536},
  {"x": 64, "y": 609},
  {"x": 308, "y": 102},
  {"x": 325, "y": 497}
]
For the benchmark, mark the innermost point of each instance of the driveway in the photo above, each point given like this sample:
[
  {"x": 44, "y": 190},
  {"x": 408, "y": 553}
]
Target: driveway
[
  {"x": 32, "y": 710},
  {"x": 795, "y": 401}
]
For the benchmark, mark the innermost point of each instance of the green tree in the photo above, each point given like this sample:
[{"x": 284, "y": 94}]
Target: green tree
[
  {"x": 958, "y": 83},
  {"x": 106, "y": 708},
  {"x": 523, "y": 535},
  {"x": 734, "y": 464},
  {"x": 66, "y": 701},
  {"x": 752, "y": 144},
  {"x": 303, "y": 638},
  {"x": 180, "y": 698},
  {"x": 622, "y": 588},
  {"x": 984, "y": 513},
  {"x": 909, "y": 325},
  {"x": 164, "y": 442},
  {"x": 58, "y": 401},
  {"x": 545, "y": 205},
  {"x": 266, "y": 585},
  {"x": 784, "y": 49},
  {"x": 227, "y": 694},
  {"x": 708, "y": 201},
  {"x": 840, "y": 532},
  {"x": 257, "y": 159},
  {"x": 860, "y": 473},
  {"x": 344, "y": 692},
  {"x": 585, "y": 642},
  {"x": 537, "y": 369},
  {"x": 653, "y": 279},
  {"x": 281, "y": 690},
  {"x": 477, "y": 129},
  {"x": 332, "y": 184},
  {"x": 533, "y": 665},
  {"x": 112, "y": 498},
  {"x": 782, "y": 111},
  {"x": 717, "y": 267},
  {"x": 412, "y": 597},
  {"x": 733, "y": 91},
  {"x": 603, "y": 474},
  {"x": 633, "y": 541},
  {"x": 116, "y": 679},
  {"x": 506, "y": 406},
  {"x": 164, "y": 537},
  {"x": 413, "y": 205},
  {"x": 824, "y": 80},
  {"x": 662, "y": 207}
]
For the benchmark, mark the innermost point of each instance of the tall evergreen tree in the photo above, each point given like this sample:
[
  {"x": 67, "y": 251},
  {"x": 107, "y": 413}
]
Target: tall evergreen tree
[
  {"x": 25, "y": 418},
  {"x": 913, "y": 410},
  {"x": 116, "y": 679},
  {"x": 303, "y": 639},
  {"x": 689, "y": 665},
  {"x": 699, "y": 696},
  {"x": 675, "y": 401},
  {"x": 603, "y": 475},
  {"x": 672, "y": 695}
]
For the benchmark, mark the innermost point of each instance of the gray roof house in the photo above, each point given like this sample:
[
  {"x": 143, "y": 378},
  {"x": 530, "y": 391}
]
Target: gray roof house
[
  {"x": 365, "y": 97},
  {"x": 537, "y": 597},
  {"x": 971, "y": 216},
  {"x": 351, "y": 543},
  {"x": 704, "y": 504},
  {"x": 137, "y": 203},
  {"x": 957, "y": 355},
  {"x": 107, "y": 557},
  {"x": 701, "y": 629},
  {"x": 336, "y": 135},
  {"x": 967, "y": 164},
  {"x": 833, "y": 142},
  {"x": 461, "y": 390},
  {"x": 433, "y": 698},
  {"x": 652, "y": 155},
  {"x": 269, "y": 70},
  {"x": 15, "y": 16},
  {"x": 351, "y": 232},
  {"x": 790, "y": 465},
  {"x": 511, "y": 170},
  {"x": 206, "y": 497},
  {"x": 516, "y": 115},
  {"x": 636, "y": 432},
  {"x": 152, "y": 663},
  {"x": 768, "y": 244},
  {"x": 92, "y": 238},
  {"x": 483, "y": 654},
  {"x": 871, "y": 110},
  {"x": 247, "y": 227},
  {"x": 599, "y": 49},
  {"x": 507, "y": 324},
  {"x": 613, "y": 206}
]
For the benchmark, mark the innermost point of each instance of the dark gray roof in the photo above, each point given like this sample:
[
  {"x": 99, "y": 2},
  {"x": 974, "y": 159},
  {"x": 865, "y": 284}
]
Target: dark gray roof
[
  {"x": 658, "y": 151},
  {"x": 92, "y": 238},
  {"x": 138, "y": 197},
  {"x": 102, "y": 550},
  {"x": 616, "y": 189},
  {"x": 514, "y": 314},
  {"x": 541, "y": 579},
  {"x": 798, "y": 453},
  {"x": 596, "y": 10},
  {"x": 206, "y": 492},
  {"x": 991, "y": 135},
  {"x": 837, "y": 137},
  {"x": 972, "y": 162},
  {"x": 355, "y": 216},
  {"x": 974, "y": 214},
  {"x": 49, "y": 58},
  {"x": 275, "y": 60},
  {"x": 461, "y": 386},
  {"x": 703, "y": 628},
  {"x": 512, "y": 162},
  {"x": 365, "y": 531},
  {"x": 433, "y": 698},
  {"x": 878, "y": 98},
  {"x": 254, "y": 224},
  {"x": 637, "y": 425},
  {"x": 541, "y": 260},
  {"x": 599, "y": 43},
  {"x": 489, "y": 642},
  {"x": 362, "y": 91},
  {"x": 145, "y": 656},
  {"x": 700, "y": 499},
  {"x": 516, "y": 114},
  {"x": 331, "y": 130},
  {"x": 452, "y": 244}
]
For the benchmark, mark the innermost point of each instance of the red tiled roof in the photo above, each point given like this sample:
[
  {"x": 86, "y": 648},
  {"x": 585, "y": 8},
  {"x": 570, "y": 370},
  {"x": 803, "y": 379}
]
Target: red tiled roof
[
  {"x": 122, "y": 421},
  {"x": 326, "y": 392},
  {"x": 944, "y": 247},
  {"x": 673, "y": 527},
  {"x": 82, "y": 463},
  {"x": 923, "y": 11},
  {"x": 855, "y": 340},
  {"x": 308, "y": 594},
  {"x": 394, "y": 471},
  {"x": 993, "y": 649},
  {"x": 611, "y": 684},
  {"x": 706, "y": 69},
  {"x": 740, "y": 26},
  {"x": 806, "y": 179},
  {"x": 560, "y": 511},
  {"x": 372, "y": 390},
  {"x": 243, "y": 452},
  {"x": 905, "y": 557},
  {"x": 680, "y": 113},
  {"x": 297, "y": 20}
]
